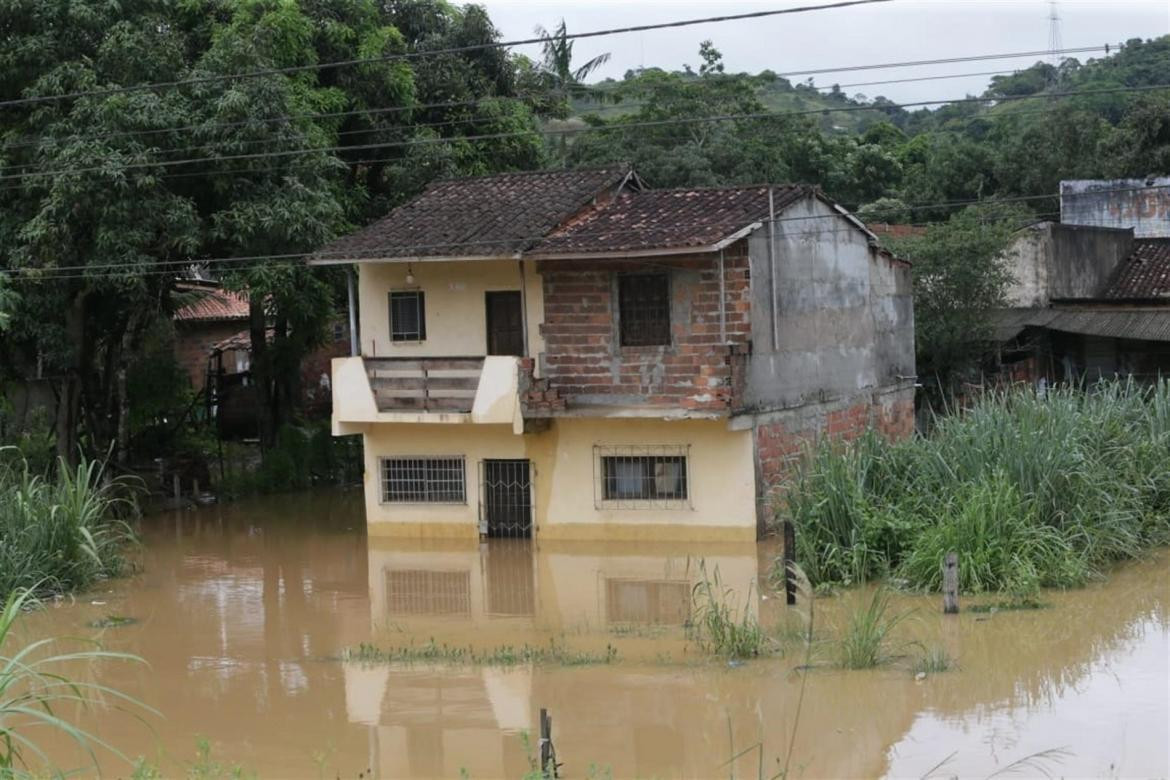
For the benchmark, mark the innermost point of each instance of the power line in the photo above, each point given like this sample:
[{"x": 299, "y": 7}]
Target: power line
[
  {"x": 430, "y": 53},
  {"x": 577, "y": 130}
]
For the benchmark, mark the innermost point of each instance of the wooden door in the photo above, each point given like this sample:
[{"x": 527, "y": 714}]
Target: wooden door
[{"x": 505, "y": 323}]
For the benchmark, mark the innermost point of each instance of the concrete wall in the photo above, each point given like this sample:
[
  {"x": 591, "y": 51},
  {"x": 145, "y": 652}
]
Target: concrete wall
[
  {"x": 1054, "y": 261},
  {"x": 585, "y": 361},
  {"x": 1141, "y": 204},
  {"x": 721, "y": 479},
  {"x": 845, "y": 318},
  {"x": 456, "y": 320}
]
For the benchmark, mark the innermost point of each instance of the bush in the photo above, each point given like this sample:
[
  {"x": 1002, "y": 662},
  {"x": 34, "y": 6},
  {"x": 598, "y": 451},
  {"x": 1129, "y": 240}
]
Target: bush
[
  {"x": 1030, "y": 490},
  {"x": 62, "y": 534}
]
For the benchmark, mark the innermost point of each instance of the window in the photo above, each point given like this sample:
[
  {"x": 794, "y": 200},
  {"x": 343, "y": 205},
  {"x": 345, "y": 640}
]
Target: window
[
  {"x": 423, "y": 481},
  {"x": 408, "y": 321},
  {"x": 654, "y": 476},
  {"x": 644, "y": 309}
]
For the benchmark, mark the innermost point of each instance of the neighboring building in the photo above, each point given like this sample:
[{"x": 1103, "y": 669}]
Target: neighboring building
[
  {"x": 571, "y": 355},
  {"x": 215, "y": 314},
  {"x": 1090, "y": 301}
]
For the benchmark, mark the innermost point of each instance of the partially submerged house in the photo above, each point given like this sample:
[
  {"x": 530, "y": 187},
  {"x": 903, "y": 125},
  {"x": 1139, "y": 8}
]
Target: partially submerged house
[
  {"x": 1090, "y": 301},
  {"x": 213, "y": 315},
  {"x": 572, "y": 355}
]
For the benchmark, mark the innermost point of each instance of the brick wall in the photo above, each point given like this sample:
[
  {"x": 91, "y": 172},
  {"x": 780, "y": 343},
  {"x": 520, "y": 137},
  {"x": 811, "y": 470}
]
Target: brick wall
[
  {"x": 584, "y": 360},
  {"x": 784, "y": 438},
  {"x": 193, "y": 343}
]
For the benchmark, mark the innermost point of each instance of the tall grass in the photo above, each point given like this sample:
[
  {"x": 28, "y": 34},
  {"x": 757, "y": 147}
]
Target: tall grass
[
  {"x": 719, "y": 624},
  {"x": 34, "y": 688},
  {"x": 866, "y": 642},
  {"x": 1030, "y": 490},
  {"x": 62, "y": 533}
]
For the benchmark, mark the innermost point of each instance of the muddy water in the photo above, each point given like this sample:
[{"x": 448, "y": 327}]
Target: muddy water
[{"x": 242, "y": 610}]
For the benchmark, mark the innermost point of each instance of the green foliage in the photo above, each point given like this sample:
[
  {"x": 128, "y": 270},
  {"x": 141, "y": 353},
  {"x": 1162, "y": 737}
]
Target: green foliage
[
  {"x": 866, "y": 643},
  {"x": 1031, "y": 491},
  {"x": 36, "y": 691},
  {"x": 62, "y": 533},
  {"x": 933, "y": 660},
  {"x": 959, "y": 278},
  {"x": 719, "y": 625}
]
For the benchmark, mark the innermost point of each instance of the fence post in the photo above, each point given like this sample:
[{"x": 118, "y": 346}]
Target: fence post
[
  {"x": 548, "y": 756},
  {"x": 789, "y": 558},
  {"x": 950, "y": 576}
]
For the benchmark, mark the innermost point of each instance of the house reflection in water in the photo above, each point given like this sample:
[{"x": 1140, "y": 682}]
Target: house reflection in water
[{"x": 435, "y": 720}]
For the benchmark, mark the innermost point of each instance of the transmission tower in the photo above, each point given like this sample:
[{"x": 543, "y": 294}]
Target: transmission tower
[{"x": 1054, "y": 44}]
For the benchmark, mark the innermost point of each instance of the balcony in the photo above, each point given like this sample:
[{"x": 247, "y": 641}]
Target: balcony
[{"x": 449, "y": 390}]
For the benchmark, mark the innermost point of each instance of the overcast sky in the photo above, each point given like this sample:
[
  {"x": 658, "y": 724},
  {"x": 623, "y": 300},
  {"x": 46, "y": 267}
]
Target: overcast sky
[{"x": 897, "y": 31}]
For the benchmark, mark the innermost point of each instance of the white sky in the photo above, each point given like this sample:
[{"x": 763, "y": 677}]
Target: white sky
[{"x": 886, "y": 32}]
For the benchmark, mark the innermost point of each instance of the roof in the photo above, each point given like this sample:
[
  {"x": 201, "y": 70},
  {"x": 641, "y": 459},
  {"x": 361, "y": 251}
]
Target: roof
[
  {"x": 668, "y": 219},
  {"x": 487, "y": 216},
  {"x": 1127, "y": 322},
  {"x": 214, "y": 305},
  {"x": 1145, "y": 273},
  {"x": 895, "y": 230}
]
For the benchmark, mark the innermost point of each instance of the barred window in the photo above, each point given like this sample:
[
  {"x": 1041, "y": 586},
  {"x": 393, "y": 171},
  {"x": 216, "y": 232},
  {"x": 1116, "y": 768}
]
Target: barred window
[
  {"x": 643, "y": 476},
  {"x": 408, "y": 321},
  {"x": 423, "y": 481},
  {"x": 644, "y": 309}
]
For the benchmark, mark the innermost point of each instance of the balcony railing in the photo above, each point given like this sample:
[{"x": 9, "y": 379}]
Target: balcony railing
[{"x": 424, "y": 384}]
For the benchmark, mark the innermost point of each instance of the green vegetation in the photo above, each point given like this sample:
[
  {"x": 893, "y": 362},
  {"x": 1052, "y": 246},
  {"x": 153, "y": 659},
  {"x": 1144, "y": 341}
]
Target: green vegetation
[
  {"x": 1032, "y": 491},
  {"x": 719, "y": 625},
  {"x": 866, "y": 642},
  {"x": 34, "y": 692},
  {"x": 933, "y": 661},
  {"x": 64, "y": 533},
  {"x": 504, "y": 655}
]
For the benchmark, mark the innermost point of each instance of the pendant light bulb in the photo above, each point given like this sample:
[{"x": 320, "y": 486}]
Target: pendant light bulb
[{"x": 409, "y": 275}]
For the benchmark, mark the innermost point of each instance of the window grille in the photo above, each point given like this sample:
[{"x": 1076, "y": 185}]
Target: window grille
[
  {"x": 642, "y": 477},
  {"x": 423, "y": 481},
  {"x": 644, "y": 309},
  {"x": 408, "y": 321}
]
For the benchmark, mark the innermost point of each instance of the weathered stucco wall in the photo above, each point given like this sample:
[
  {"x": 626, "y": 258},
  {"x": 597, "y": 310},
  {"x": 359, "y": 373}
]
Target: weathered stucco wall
[
  {"x": 844, "y": 313},
  {"x": 456, "y": 320},
  {"x": 1141, "y": 204},
  {"x": 1053, "y": 261},
  {"x": 585, "y": 361},
  {"x": 721, "y": 504}
]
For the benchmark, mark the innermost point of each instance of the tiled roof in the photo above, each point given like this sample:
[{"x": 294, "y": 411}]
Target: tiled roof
[
  {"x": 484, "y": 216},
  {"x": 215, "y": 304},
  {"x": 1145, "y": 273},
  {"x": 667, "y": 219}
]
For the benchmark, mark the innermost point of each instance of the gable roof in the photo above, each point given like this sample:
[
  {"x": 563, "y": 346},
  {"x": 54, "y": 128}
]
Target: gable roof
[
  {"x": 1145, "y": 273},
  {"x": 486, "y": 216},
  {"x": 214, "y": 305},
  {"x": 668, "y": 220}
]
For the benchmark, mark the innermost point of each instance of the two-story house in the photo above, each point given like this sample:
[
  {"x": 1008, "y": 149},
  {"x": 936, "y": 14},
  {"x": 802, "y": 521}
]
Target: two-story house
[{"x": 571, "y": 355}]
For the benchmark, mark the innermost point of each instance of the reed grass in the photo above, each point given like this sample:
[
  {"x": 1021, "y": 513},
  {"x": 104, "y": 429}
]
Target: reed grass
[
  {"x": 720, "y": 624},
  {"x": 1031, "y": 490},
  {"x": 62, "y": 533},
  {"x": 866, "y": 642},
  {"x": 933, "y": 660}
]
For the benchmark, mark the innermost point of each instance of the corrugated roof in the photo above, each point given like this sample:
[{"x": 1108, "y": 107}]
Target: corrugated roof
[
  {"x": 487, "y": 216},
  {"x": 667, "y": 219},
  {"x": 1146, "y": 324},
  {"x": 1145, "y": 273},
  {"x": 214, "y": 305}
]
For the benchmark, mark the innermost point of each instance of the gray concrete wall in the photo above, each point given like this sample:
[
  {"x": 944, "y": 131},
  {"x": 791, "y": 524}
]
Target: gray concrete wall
[
  {"x": 1050, "y": 260},
  {"x": 844, "y": 312},
  {"x": 1141, "y": 204}
]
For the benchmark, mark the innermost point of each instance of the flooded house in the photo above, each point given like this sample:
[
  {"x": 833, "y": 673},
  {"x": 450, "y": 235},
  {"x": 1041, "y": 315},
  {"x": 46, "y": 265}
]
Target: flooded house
[{"x": 575, "y": 355}]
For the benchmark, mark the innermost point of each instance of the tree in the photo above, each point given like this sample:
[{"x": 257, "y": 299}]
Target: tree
[
  {"x": 561, "y": 79},
  {"x": 959, "y": 277}
]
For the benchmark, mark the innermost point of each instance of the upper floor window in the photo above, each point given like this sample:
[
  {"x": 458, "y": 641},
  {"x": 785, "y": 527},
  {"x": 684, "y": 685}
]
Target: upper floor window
[
  {"x": 408, "y": 320},
  {"x": 644, "y": 309}
]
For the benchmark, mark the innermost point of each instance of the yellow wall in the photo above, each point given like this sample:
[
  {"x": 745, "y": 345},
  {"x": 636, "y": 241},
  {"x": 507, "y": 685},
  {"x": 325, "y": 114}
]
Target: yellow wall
[
  {"x": 721, "y": 479},
  {"x": 456, "y": 321}
]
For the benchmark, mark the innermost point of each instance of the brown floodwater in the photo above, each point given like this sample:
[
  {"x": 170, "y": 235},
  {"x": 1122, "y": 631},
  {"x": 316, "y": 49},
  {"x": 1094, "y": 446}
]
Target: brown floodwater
[{"x": 241, "y": 612}]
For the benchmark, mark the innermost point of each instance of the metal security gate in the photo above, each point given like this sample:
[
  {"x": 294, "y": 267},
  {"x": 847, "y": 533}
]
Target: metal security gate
[{"x": 506, "y": 498}]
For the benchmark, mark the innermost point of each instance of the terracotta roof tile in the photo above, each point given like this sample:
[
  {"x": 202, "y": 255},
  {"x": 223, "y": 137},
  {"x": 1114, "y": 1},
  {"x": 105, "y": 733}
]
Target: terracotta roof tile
[
  {"x": 1145, "y": 273},
  {"x": 667, "y": 219},
  {"x": 215, "y": 305},
  {"x": 479, "y": 217}
]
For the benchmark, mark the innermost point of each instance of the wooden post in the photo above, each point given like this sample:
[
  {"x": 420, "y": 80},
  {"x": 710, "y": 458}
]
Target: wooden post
[
  {"x": 548, "y": 767},
  {"x": 177, "y": 487},
  {"x": 950, "y": 576},
  {"x": 789, "y": 558}
]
